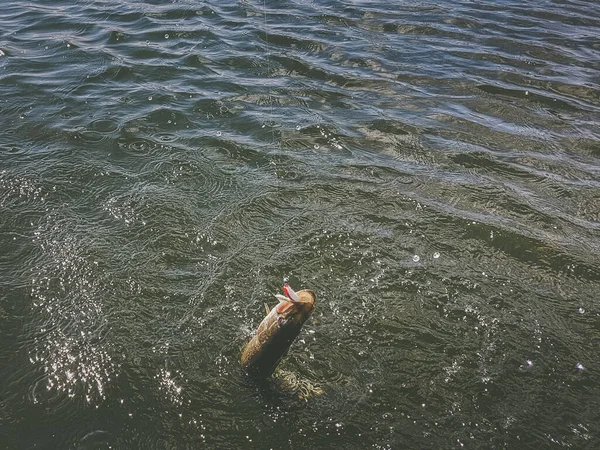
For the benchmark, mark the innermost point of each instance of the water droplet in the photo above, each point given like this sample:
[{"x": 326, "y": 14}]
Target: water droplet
[
  {"x": 167, "y": 36},
  {"x": 150, "y": 98},
  {"x": 416, "y": 258},
  {"x": 219, "y": 133},
  {"x": 436, "y": 255},
  {"x": 580, "y": 366},
  {"x": 298, "y": 127},
  {"x": 169, "y": 121},
  {"x": 316, "y": 146},
  {"x": 581, "y": 310}
]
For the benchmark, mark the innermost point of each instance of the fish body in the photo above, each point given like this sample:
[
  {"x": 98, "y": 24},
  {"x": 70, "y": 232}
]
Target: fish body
[{"x": 276, "y": 332}]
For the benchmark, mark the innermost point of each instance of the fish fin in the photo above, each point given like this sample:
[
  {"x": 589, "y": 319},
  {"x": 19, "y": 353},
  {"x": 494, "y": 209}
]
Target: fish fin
[{"x": 267, "y": 309}]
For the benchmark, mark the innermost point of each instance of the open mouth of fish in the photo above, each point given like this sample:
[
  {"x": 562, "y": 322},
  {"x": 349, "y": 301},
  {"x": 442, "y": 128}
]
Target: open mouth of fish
[
  {"x": 290, "y": 295},
  {"x": 294, "y": 301}
]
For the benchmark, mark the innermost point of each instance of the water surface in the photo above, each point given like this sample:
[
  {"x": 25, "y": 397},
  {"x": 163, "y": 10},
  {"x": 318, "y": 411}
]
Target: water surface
[{"x": 429, "y": 169}]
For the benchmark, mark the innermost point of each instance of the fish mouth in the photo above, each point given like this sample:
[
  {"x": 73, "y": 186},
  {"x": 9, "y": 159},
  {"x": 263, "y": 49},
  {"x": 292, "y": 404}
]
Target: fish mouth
[
  {"x": 299, "y": 305},
  {"x": 294, "y": 307},
  {"x": 303, "y": 296}
]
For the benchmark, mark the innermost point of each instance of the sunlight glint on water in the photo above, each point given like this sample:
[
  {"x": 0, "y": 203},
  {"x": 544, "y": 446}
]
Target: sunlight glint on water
[{"x": 429, "y": 171}]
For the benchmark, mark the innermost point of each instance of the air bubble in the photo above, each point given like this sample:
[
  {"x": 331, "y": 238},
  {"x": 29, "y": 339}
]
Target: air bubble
[
  {"x": 436, "y": 255},
  {"x": 219, "y": 133},
  {"x": 167, "y": 36},
  {"x": 316, "y": 146},
  {"x": 416, "y": 258},
  {"x": 580, "y": 366},
  {"x": 150, "y": 98},
  {"x": 581, "y": 310},
  {"x": 298, "y": 127}
]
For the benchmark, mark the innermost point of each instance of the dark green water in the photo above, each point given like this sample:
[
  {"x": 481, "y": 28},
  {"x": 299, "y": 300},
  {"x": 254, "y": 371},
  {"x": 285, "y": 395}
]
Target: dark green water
[{"x": 430, "y": 169}]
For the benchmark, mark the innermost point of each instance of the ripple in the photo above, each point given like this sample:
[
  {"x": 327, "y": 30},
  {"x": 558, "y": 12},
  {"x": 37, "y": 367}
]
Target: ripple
[
  {"x": 431, "y": 172},
  {"x": 166, "y": 137},
  {"x": 115, "y": 73},
  {"x": 104, "y": 125}
]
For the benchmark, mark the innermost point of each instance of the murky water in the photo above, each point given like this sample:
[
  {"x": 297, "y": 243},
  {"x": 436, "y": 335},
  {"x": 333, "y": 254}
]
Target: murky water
[{"x": 429, "y": 169}]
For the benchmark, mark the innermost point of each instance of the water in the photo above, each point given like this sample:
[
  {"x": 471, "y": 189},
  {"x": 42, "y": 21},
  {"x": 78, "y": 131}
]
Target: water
[{"x": 429, "y": 169}]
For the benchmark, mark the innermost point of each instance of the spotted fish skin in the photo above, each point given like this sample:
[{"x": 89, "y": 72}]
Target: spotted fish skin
[{"x": 276, "y": 333}]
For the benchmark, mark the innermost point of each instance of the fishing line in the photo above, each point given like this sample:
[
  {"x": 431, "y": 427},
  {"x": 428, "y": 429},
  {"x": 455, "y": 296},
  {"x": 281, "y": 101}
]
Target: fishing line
[{"x": 269, "y": 98}]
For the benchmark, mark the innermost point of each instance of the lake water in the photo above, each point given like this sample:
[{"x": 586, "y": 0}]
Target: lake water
[{"x": 430, "y": 169}]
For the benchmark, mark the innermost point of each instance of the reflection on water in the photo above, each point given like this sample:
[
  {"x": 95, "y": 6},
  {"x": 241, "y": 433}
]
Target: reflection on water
[{"x": 429, "y": 170}]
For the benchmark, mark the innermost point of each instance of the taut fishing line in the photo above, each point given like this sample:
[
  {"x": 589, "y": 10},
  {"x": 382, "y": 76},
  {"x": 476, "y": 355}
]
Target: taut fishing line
[{"x": 269, "y": 98}]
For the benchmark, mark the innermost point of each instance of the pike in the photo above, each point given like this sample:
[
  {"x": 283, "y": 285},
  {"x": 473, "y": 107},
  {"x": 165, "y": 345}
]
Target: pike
[{"x": 277, "y": 331}]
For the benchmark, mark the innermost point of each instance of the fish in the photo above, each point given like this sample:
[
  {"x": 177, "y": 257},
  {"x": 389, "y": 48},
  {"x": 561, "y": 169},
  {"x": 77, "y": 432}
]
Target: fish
[{"x": 277, "y": 331}]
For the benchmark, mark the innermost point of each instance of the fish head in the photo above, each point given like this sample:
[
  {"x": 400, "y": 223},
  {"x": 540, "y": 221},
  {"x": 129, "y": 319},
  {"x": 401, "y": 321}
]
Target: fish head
[{"x": 296, "y": 307}]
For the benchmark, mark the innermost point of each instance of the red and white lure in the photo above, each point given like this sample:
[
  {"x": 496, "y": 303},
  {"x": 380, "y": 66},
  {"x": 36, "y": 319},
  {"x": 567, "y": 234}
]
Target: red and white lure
[{"x": 290, "y": 295}]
